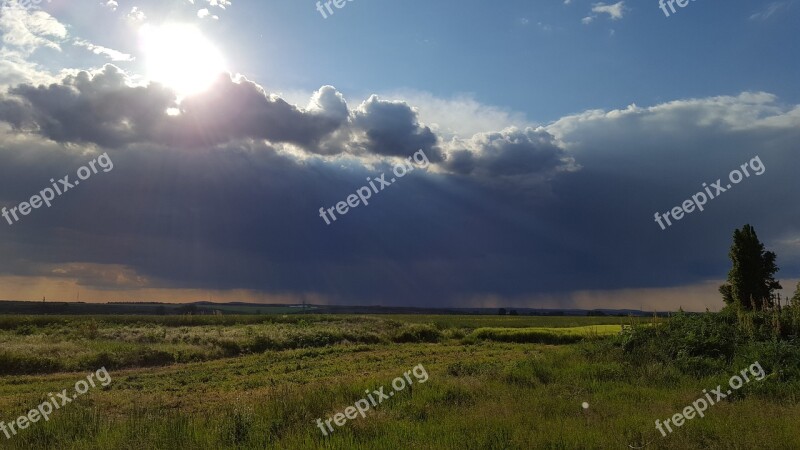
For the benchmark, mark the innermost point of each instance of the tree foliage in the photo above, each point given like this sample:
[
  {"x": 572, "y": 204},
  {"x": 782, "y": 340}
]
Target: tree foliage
[{"x": 751, "y": 280}]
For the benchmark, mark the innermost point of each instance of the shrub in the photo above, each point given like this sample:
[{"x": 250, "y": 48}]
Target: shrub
[
  {"x": 699, "y": 344},
  {"x": 88, "y": 330},
  {"x": 95, "y": 361},
  {"x": 417, "y": 333},
  {"x": 545, "y": 335},
  {"x": 229, "y": 347},
  {"x": 13, "y": 364},
  {"x": 148, "y": 357},
  {"x": 263, "y": 343},
  {"x": 25, "y": 330}
]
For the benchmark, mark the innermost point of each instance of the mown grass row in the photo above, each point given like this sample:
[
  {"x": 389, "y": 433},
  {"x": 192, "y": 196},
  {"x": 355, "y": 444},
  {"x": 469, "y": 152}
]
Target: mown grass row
[
  {"x": 117, "y": 348},
  {"x": 547, "y": 335}
]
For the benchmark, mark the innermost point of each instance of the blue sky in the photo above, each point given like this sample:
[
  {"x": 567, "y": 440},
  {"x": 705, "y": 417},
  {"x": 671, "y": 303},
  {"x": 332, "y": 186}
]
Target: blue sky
[
  {"x": 553, "y": 133},
  {"x": 533, "y": 57},
  {"x": 537, "y": 59}
]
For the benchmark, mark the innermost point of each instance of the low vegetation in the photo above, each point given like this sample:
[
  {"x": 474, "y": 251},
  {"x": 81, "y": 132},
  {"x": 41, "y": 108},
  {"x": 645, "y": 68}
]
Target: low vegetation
[
  {"x": 482, "y": 393},
  {"x": 543, "y": 335},
  {"x": 49, "y": 344}
]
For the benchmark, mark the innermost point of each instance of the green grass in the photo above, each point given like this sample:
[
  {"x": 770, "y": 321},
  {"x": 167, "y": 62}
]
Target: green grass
[
  {"x": 49, "y": 344},
  {"x": 480, "y": 394},
  {"x": 547, "y": 335}
]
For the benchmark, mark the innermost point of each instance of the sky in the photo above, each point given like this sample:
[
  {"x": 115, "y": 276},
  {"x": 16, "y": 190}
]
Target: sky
[{"x": 531, "y": 154}]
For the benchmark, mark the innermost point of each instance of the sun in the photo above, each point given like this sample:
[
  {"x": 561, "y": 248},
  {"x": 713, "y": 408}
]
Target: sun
[{"x": 180, "y": 57}]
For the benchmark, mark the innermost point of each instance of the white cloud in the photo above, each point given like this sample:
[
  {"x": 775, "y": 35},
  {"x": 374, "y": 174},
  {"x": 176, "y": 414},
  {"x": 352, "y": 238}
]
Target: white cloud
[
  {"x": 220, "y": 3},
  {"x": 26, "y": 31},
  {"x": 615, "y": 11},
  {"x": 769, "y": 11},
  {"x": 461, "y": 116},
  {"x": 113, "y": 55},
  {"x": 16, "y": 69},
  {"x": 544, "y": 26},
  {"x": 204, "y": 14},
  {"x": 136, "y": 14},
  {"x": 746, "y": 111}
]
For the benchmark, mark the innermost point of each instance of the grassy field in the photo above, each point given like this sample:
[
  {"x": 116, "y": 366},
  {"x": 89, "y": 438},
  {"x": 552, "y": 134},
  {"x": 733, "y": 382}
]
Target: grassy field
[{"x": 247, "y": 382}]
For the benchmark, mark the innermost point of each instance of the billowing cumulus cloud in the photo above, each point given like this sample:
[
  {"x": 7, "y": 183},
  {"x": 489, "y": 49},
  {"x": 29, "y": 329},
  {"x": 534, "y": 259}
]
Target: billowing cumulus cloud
[
  {"x": 99, "y": 109},
  {"x": 392, "y": 129},
  {"x": 104, "y": 109},
  {"x": 517, "y": 157}
]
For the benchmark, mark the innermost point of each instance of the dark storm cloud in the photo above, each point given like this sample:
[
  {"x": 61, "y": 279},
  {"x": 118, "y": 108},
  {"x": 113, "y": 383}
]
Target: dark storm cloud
[
  {"x": 243, "y": 213},
  {"x": 510, "y": 152},
  {"x": 511, "y": 160},
  {"x": 103, "y": 109},
  {"x": 392, "y": 129},
  {"x": 231, "y": 110},
  {"x": 99, "y": 109},
  {"x": 639, "y": 161}
]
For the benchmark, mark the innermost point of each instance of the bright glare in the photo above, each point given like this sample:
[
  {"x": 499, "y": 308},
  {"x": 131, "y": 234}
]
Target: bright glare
[{"x": 180, "y": 57}]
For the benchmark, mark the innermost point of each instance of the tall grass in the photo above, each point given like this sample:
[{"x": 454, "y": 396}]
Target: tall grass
[
  {"x": 546, "y": 335},
  {"x": 78, "y": 343},
  {"x": 486, "y": 396}
]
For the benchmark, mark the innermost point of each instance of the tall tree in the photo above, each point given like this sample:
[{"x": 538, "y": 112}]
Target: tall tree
[{"x": 751, "y": 280}]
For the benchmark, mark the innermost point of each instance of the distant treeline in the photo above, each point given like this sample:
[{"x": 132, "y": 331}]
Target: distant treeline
[{"x": 80, "y": 308}]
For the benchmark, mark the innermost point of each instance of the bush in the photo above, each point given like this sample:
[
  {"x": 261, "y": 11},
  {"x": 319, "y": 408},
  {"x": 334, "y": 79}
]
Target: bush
[
  {"x": 768, "y": 325},
  {"x": 263, "y": 343},
  {"x": 88, "y": 330},
  {"x": 148, "y": 357},
  {"x": 229, "y": 347},
  {"x": 709, "y": 343},
  {"x": 95, "y": 361},
  {"x": 417, "y": 333},
  {"x": 454, "y": 334},
  {"x": 13, "y": 364},
  {"x": 780, "y": 358},
  {"x": 554, "y": 336},
  {"x": 25, "y": 330}
]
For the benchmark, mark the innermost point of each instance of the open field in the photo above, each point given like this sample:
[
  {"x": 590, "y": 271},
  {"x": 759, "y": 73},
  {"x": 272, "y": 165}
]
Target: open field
[
  {"x": 47, "y": 344},
  {"x": 263, "y": 381}
]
